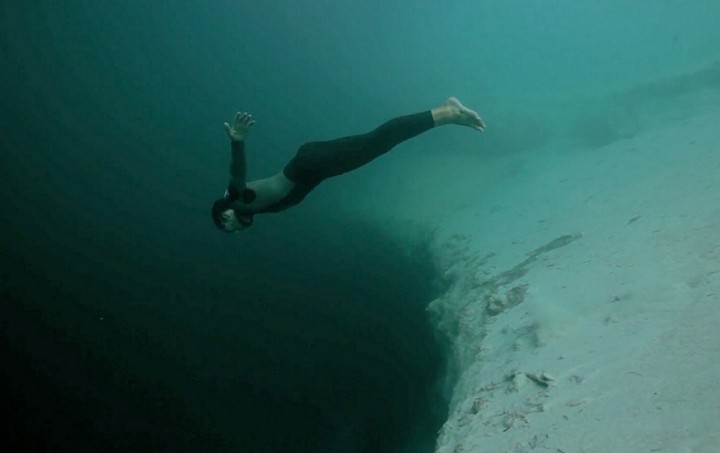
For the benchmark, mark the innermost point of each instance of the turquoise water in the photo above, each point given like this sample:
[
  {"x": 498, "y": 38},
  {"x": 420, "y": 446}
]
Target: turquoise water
[{"x": 129, "y": 323}]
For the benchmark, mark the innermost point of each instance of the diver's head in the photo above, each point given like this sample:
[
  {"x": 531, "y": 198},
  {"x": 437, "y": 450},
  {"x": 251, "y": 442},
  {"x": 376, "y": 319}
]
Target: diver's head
[{"x": 226, "y": 219}]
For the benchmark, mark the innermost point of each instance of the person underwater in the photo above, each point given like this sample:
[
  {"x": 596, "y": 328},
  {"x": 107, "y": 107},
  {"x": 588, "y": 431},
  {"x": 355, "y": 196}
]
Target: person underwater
[{"x": 317, "y": 161}]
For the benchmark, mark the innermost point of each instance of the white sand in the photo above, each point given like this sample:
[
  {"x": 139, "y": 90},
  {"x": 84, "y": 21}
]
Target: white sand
[
  {"x": 621, "y": 312},
  {"x": 623, "y": 317}
]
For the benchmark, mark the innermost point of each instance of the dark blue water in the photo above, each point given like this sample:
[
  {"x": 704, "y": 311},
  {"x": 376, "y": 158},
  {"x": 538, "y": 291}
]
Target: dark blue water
[
  {"x": 128, "y": 323},
  {"x": 310, "y": 348}
]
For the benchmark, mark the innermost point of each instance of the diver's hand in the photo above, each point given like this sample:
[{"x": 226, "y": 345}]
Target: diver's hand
[{"x": 241, "y": 126}]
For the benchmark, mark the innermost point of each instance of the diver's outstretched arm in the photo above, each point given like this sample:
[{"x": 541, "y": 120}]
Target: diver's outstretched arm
[{"x": 237, "y": 132}]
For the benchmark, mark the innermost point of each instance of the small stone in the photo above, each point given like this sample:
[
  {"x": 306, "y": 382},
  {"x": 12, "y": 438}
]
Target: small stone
[{"x": 541, "y": 379}]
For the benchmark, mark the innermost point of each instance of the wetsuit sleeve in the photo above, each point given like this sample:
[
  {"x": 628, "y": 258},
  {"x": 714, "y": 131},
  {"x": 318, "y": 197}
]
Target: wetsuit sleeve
[{"x": 237, "y": 169}]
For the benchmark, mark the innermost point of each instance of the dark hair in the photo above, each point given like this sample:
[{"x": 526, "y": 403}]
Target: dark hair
[{"x": 221, "y": 205}]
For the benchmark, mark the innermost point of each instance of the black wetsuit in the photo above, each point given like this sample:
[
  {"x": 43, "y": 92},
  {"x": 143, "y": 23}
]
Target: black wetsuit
[{"x": 317, "y": 161}]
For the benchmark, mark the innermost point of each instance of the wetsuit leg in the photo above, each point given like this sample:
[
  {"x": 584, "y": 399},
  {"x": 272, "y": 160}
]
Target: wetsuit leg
[{"x": 321, "y": 160}]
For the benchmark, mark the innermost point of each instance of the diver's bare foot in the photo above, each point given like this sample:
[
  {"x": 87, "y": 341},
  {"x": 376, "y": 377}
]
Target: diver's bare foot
[{"x": 454, "y": 112}]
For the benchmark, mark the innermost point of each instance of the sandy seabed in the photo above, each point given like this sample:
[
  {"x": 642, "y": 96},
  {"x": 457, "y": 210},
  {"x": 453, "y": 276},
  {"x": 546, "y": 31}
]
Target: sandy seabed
[{"x": 584, "y": 299}]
